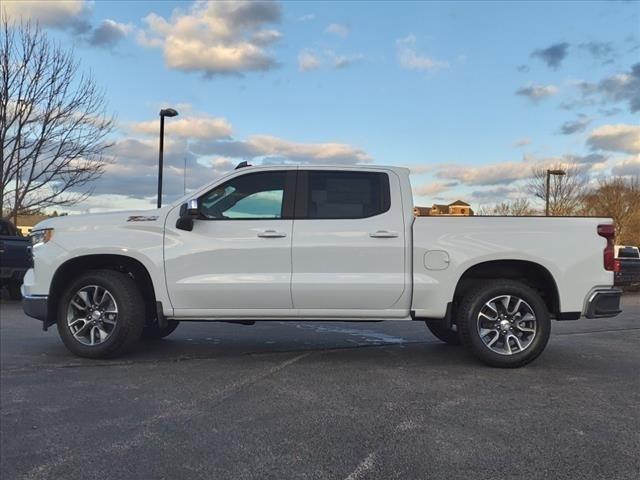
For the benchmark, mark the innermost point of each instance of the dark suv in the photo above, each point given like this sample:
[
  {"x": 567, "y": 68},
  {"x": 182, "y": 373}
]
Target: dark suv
[{"x": 15, "y": 258}]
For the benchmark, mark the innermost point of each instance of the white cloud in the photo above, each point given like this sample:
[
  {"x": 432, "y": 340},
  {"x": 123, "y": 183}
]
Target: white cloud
[
  {"x": 430, "y": 189},
  {"x": 627, "y": 166},
  {"x": 337, "y": 29},
  {"x": 187, "y": 127},
  {"x": 507, "y": 172},
  {"x": 308, "y": 61},
  {"x": 421, "y": 169},
  {"x": 108, "y": 33},
  {"x": 133, "y": 169},
  {"x": 535, "y": 93},
  {"x": 216, "y": 37},
  {"x": 496, "y": 194},
  {"x": 409, "y": 57},
  {"x": 578, "y": 125},
  {"x": 616, "y": 138},
  {"x": 222, "y": 163},
  {"x": 204, "y": 143},
  {"x": 343, "y": 61},
  {"x": 620, "y": 87},
  {"x": 266, "y": 145},
  {"x": 110, "y": 203},
  {"x": 495, "y": 174},
  {"x": 270, "y": 149},
  {"x": 265, "y": 37},
  {"x": 69, "y": 14},
  {"x": 522, "y": 142}
]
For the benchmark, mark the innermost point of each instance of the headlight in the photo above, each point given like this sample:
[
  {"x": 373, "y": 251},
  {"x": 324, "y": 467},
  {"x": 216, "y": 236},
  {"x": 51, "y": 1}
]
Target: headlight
[{"x": 41, "y": 236}]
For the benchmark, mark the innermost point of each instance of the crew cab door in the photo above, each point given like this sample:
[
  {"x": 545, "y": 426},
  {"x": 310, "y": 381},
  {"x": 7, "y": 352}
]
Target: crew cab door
[
  {"x": 348, "y": 242},
  {"x": 237, "y": 258}
]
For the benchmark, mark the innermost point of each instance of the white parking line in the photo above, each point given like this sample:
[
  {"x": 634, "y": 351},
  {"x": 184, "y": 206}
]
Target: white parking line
[{"x": 364, "y": 466}]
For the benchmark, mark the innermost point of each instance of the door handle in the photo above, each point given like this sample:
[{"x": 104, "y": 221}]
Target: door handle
[
  {"x": 271, "y": 234},
  {"x": 383, "y": 234}
]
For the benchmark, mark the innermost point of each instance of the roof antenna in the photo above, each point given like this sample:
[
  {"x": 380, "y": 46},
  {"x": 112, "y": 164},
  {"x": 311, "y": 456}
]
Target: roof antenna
[{"x": 242, "y": 165}]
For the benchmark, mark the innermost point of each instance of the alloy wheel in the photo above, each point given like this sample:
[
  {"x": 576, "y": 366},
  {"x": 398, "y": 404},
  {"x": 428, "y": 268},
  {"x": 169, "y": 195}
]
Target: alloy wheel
[
  {"x": 92, "y": 315},
  {"x": 507, "y": 324}
]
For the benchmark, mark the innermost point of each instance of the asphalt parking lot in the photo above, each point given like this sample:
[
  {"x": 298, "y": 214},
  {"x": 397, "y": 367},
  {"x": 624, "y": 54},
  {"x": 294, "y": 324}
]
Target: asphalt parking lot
[{"x": 320, "y": 401}]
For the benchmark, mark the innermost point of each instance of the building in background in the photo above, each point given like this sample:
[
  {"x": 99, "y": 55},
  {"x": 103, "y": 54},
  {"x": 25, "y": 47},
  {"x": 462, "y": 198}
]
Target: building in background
[
  {"x": 27, "y": 222},
  {"x": 457, "y": 208}
]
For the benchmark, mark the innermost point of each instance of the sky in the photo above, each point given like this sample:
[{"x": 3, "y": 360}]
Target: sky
[{"x": 469, "y": 95}]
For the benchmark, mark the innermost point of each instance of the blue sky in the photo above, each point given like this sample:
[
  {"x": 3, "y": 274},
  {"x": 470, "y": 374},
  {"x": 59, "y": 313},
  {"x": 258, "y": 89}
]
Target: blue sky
[{"x": 470, "y": 95}]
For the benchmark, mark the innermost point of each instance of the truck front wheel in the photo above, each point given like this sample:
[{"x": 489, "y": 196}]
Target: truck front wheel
[
  {"x": 101, "y": 314},
  {"x": 504, "y": 323}
]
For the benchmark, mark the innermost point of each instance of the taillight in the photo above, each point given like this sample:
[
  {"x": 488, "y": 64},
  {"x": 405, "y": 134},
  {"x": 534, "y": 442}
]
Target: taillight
[{"x": 608, "y": 231}]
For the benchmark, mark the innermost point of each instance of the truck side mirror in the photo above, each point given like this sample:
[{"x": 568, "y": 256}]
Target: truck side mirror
[{"x": 188, "y": 212}]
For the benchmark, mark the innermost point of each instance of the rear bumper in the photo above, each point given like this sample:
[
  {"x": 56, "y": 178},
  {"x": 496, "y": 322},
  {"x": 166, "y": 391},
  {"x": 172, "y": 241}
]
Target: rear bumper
[
  {"x": 627, "y": 278},
  {"x": 11, "y": 274},
  {"x": 36, "y": 306},
  {"x": 604, "y": 303}
]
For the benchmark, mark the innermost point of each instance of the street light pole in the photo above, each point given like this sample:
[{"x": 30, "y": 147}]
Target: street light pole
[
  {"x": 165, "y": 112},
  {"x": 549, "y": 173},
  {"x": 15, "y": 212}
]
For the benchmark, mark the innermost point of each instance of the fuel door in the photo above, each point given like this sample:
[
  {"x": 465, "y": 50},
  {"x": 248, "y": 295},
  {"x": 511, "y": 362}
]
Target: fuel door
[{"x": 436, "y": 260}]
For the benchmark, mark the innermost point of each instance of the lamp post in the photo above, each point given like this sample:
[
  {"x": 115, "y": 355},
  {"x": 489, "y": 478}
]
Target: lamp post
[
  {"x": 165, "y": 112},
  {"x": 15, "y": 213},
  {"x": 549, "y": 173}
]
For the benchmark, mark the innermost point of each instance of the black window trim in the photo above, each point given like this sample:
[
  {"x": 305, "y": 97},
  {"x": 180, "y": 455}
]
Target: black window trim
[
  {"x": 302, "y": 194},
  {"x": 288, "y": 197}
]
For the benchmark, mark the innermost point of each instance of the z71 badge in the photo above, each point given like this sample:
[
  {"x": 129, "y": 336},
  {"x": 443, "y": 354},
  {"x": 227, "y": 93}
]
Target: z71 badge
[{"x": 142, "y": 218}]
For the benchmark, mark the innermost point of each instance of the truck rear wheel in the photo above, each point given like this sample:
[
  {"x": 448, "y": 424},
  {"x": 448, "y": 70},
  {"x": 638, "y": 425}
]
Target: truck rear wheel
[
  {"x": 504, "y": 323},
  {"x": 101, "y": 314},
  {"x": 439, "y": 329}
]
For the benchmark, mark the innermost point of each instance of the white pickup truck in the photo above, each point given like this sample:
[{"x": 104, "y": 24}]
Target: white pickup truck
[{"x": 318, "y": 243}]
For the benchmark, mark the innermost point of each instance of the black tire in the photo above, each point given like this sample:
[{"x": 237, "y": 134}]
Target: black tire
[
  {"x": 153, "y": 332},
  {"x": 469, "y": 311},
  {"x": 14, "y": 290},
  {"x": 440, "y": 330},
  {"x": 130, "y": 316}
]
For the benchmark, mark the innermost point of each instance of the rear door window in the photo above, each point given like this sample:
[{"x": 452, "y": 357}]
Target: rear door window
[{"x": 342, "y": 194}]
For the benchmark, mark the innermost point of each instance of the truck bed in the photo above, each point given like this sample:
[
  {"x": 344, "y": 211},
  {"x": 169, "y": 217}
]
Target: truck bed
[{"x": 446, "y": 247}]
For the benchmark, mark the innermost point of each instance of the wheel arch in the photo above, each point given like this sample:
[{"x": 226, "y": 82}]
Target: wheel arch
[
  {"x": 121, "y": 263},
  {"x": 531, "y": 273}
]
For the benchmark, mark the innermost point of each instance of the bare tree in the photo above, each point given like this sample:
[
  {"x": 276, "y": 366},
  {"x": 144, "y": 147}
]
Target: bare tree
[
  {"x": 53, "y": 125},
  {"x": 519, "y": 207},
  {"x": 618, "y": 198},
  {"x": 565, "y": 192}
]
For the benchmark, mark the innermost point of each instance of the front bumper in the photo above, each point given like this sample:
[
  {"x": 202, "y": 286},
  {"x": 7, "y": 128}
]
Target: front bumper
[
  {"x": 36, "y": 306},
  {"x": 604, "y": 303}
]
